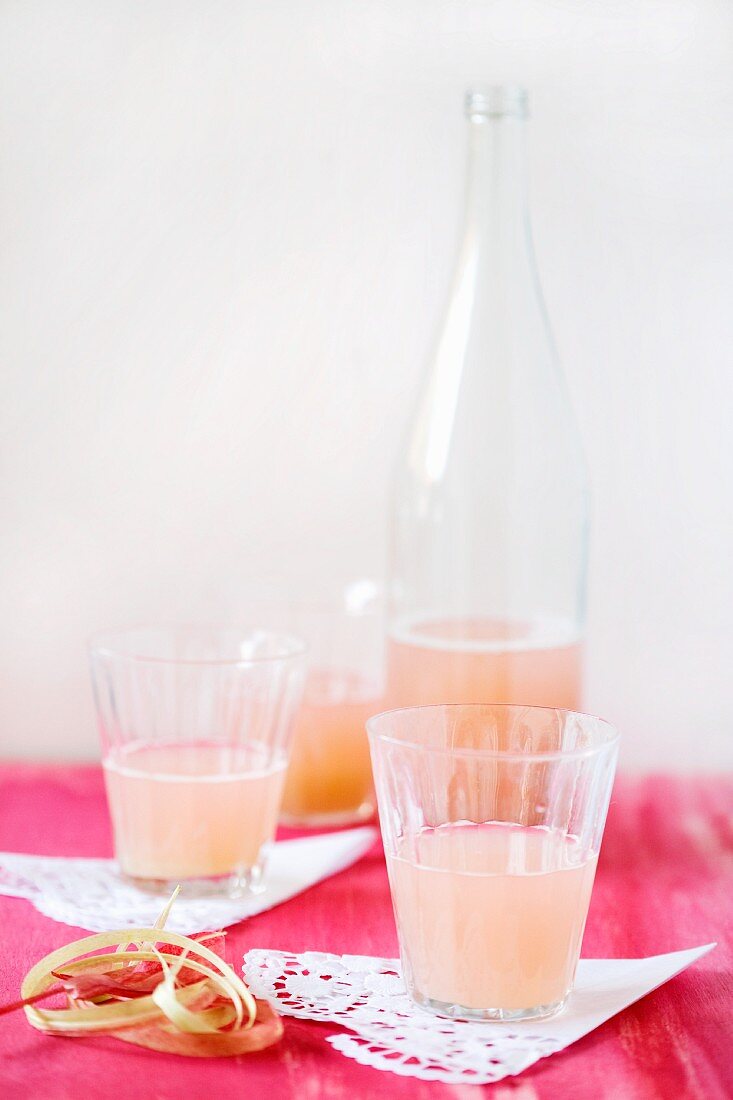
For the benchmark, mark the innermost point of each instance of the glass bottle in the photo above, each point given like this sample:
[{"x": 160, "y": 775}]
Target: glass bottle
[{"x": 489, "y": 524}]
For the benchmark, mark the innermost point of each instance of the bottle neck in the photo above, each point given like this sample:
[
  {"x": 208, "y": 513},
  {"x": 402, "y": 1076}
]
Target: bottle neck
[{"x": 497, "y": 211}]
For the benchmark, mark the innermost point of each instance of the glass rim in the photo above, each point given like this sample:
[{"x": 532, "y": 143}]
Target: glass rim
[
  {"x": 102, "y": 644},
  {"x": 611, "y": 742}
]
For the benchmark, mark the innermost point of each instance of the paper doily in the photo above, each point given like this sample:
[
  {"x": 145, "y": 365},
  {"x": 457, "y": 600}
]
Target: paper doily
[
  {"x": 89, "y": 893},
  {"x": 368, "y": 996},
  {"x": 389, "y": 1032}
]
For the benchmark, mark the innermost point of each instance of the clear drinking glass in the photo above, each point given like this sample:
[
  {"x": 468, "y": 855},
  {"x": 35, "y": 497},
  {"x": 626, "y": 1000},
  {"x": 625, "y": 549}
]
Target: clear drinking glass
[
  {"x": 489, "y": 528},
  {"x": 492, "y": 817},
  {"x": 329, "y": 779},
  {"x": 196, "y": 726}
]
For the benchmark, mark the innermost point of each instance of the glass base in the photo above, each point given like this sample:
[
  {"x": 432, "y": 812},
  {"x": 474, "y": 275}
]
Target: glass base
[
  {"x": 242, "y": 882},
  {"x": 489, "y": 1015},
  {"x": 358, "y": 816}
]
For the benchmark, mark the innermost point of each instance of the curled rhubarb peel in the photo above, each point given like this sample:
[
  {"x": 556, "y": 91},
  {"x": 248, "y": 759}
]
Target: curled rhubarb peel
[{"x": 156, "y": 989}]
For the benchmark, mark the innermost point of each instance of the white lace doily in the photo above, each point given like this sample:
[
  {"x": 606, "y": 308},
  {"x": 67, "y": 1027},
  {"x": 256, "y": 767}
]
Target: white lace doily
[
  {"x": 89, "y": 893},
  {"x": 367, "y": 996}
]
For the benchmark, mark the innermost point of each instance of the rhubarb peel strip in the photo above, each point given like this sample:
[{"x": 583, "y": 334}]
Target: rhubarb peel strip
[{"x": 209, "y": 1014}]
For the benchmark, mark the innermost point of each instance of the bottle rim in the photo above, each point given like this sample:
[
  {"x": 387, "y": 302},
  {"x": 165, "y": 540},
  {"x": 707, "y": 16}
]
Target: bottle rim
[{"x": 497, "y": 101}]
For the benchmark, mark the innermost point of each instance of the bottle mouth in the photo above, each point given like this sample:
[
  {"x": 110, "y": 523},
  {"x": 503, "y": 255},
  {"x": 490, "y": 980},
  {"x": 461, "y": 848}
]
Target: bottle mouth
[{"x": 497, "y": 101}]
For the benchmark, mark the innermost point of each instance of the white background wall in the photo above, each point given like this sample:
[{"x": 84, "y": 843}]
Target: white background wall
[{"x": 226, "y": 234}]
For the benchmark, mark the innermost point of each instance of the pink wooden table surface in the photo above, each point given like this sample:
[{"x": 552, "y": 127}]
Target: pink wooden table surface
[{"x": 665, "y": 882}]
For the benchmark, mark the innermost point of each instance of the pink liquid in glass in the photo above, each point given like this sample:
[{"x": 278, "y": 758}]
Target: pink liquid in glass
[
  {"x": 184, "y": 811},
  {"x": 491, "y": 916},
  {"x": 484, "y": 661},
  {"x": 330, "y": 774}
]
